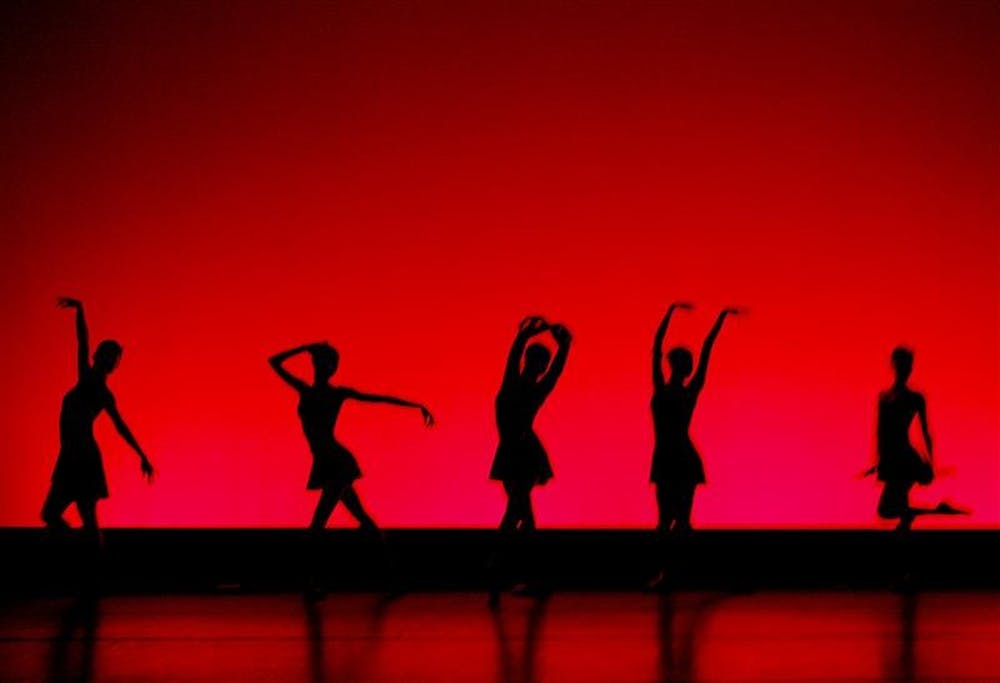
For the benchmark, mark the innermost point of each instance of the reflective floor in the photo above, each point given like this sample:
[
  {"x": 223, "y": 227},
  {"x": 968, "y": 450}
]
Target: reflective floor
[{"x": 772, "y": 636}]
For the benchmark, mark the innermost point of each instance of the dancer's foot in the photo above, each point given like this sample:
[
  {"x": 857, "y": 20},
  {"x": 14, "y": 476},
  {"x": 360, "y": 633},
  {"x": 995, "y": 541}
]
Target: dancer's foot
[
  {"x": 58, "y": 525},
  {"x": 946, "y": 508}
]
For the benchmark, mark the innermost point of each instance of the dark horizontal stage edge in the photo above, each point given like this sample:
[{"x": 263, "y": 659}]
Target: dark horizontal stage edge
[{"x": 213, "y": 560}]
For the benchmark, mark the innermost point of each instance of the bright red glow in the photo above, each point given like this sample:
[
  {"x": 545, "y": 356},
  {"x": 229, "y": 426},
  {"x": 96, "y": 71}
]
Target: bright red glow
[{"x": 408, "y": 181}]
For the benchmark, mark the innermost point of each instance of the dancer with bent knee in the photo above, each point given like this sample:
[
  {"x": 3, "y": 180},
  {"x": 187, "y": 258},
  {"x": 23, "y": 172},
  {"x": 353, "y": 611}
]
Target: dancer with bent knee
[
  {"x": 900, "y": 466},
  {"x": 334, "y": 468}
]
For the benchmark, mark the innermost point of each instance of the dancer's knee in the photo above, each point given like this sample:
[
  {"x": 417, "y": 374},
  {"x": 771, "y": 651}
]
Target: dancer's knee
[{"x": 889, "y": 511}]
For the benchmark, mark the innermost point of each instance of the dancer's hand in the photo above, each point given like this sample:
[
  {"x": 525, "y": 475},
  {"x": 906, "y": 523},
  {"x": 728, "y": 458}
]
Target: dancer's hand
[
  {"x": 147, "y": 469},
  {"x": 68, "y": 302},
  {"x": 533, "y": 324},
  {"x": 867, "y": 473},
  {"x": 428, "y": 418},
  {"x": 680, "y": 306},
  {"x": 733, "y": 310},
  {"x": 561, "y": 333}
]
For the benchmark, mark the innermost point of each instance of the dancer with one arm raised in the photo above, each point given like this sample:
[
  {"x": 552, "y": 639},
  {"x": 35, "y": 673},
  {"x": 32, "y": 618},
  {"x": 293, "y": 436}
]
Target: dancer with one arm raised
[
  {"x": 79, "y": 472},
  {"x": 521, "y": 462},
  {"x": 334, "y": 468},
  {"x": 677, "y": 467}
]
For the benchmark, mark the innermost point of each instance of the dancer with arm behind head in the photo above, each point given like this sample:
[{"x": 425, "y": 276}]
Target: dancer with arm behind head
[{"x": 334, "y": 468}]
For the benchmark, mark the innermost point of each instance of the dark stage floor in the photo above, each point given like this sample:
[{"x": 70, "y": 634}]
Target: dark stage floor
[{"x": 765, "y": 636}]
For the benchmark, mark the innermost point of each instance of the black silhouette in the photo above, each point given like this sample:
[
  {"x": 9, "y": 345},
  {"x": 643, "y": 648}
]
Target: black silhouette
[
  {"x": 677, "y": 468},
  {"x": 79, "y": 472},
  {"x": 900, "y": 466},
  {"x": 521, "y": 462},
  {"x": 334, "y": 468}
]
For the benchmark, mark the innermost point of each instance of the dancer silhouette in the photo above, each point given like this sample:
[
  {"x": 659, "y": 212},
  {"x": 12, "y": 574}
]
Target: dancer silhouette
[
  {"x": 334, "y": 468},
  {"x": 79, "y": 472},
  {"x": 900, "y": 466},
  {"x": 677, "y": 468},
  {"x": 521, "y": 462}
]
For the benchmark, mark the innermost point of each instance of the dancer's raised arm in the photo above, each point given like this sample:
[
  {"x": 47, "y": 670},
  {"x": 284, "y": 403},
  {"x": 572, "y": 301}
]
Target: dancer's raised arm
[
  {"x": 661, "y": 333},
  {"x": 391, "y": 400},
  {"x": 530, "y": 327},
  {"x": 277, "y": 362},
  {"x": 126, "y": 433},
  {"x": 563, "y": 339},
  {"x": 82, "y": 337},
  {"x": 698, "y": 381}
]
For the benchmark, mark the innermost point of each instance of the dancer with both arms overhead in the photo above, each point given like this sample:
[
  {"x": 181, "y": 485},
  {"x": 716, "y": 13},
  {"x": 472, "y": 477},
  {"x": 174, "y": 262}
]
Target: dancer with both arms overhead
[
  {"x": 521, "y": 462},
  {"x": 334, "y": 468},
  {"x": 677, "y": 468}
]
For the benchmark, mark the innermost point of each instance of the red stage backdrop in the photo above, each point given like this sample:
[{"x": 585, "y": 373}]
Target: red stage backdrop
[{"x": 408, "y": 180}]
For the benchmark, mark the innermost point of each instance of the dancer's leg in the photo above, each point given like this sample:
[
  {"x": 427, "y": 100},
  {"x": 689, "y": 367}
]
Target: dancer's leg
[
  {"x": 324, "y": 508},
  {"x": 55, "y": 505},
  {"x": 91, "y": 545},
  {"x": 353, "y": 504}
]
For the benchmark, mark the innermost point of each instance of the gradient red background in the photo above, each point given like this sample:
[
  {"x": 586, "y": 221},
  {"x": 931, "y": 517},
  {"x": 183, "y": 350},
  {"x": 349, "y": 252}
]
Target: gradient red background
[{"x": 409, "y": 180}]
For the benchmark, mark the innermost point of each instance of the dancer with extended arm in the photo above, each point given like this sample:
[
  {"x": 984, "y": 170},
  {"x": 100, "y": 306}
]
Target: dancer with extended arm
[
  {"x": 334, "y": 468},
  {"x": 79, "y": 472}
]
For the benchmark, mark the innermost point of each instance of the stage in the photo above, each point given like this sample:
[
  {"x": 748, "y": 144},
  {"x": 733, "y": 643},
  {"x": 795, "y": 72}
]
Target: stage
[
  {"x": 272, "y": 560},
  {"x": 596, "y": 636}
]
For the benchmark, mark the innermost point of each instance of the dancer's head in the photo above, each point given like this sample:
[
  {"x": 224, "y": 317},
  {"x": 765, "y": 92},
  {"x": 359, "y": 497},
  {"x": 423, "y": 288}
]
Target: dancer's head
[
  {"x": 107, "y": 356},
  {"x": 325, "y": 361},
  {"x": 681, "y": 362},
  {"x": 902, "y": 363},
  {"x": 536, "y": 360}
]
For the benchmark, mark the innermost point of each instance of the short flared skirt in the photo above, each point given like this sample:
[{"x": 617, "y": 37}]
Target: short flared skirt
[
  {"x": 521, "y": 459},
  {"x": 333, "y": 465},
  {"x": 79, "y": 472},
  {"x": 677, "y": 463},
  {"x": 904, "y": 465}
]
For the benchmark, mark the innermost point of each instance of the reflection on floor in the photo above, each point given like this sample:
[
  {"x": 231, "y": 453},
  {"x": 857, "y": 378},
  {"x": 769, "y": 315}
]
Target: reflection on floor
[{"x": 770, "y": 636}]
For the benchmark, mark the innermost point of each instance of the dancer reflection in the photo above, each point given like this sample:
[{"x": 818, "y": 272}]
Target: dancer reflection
[
  {"x": 79, "y": 472},
  {"x": 72, "y": 655},
  {"x": 334, "y": 468},
  {"x": 521, "y": 462},
  {"x": 677, "y": 468},
  {"x": 900, "y": 466}
]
